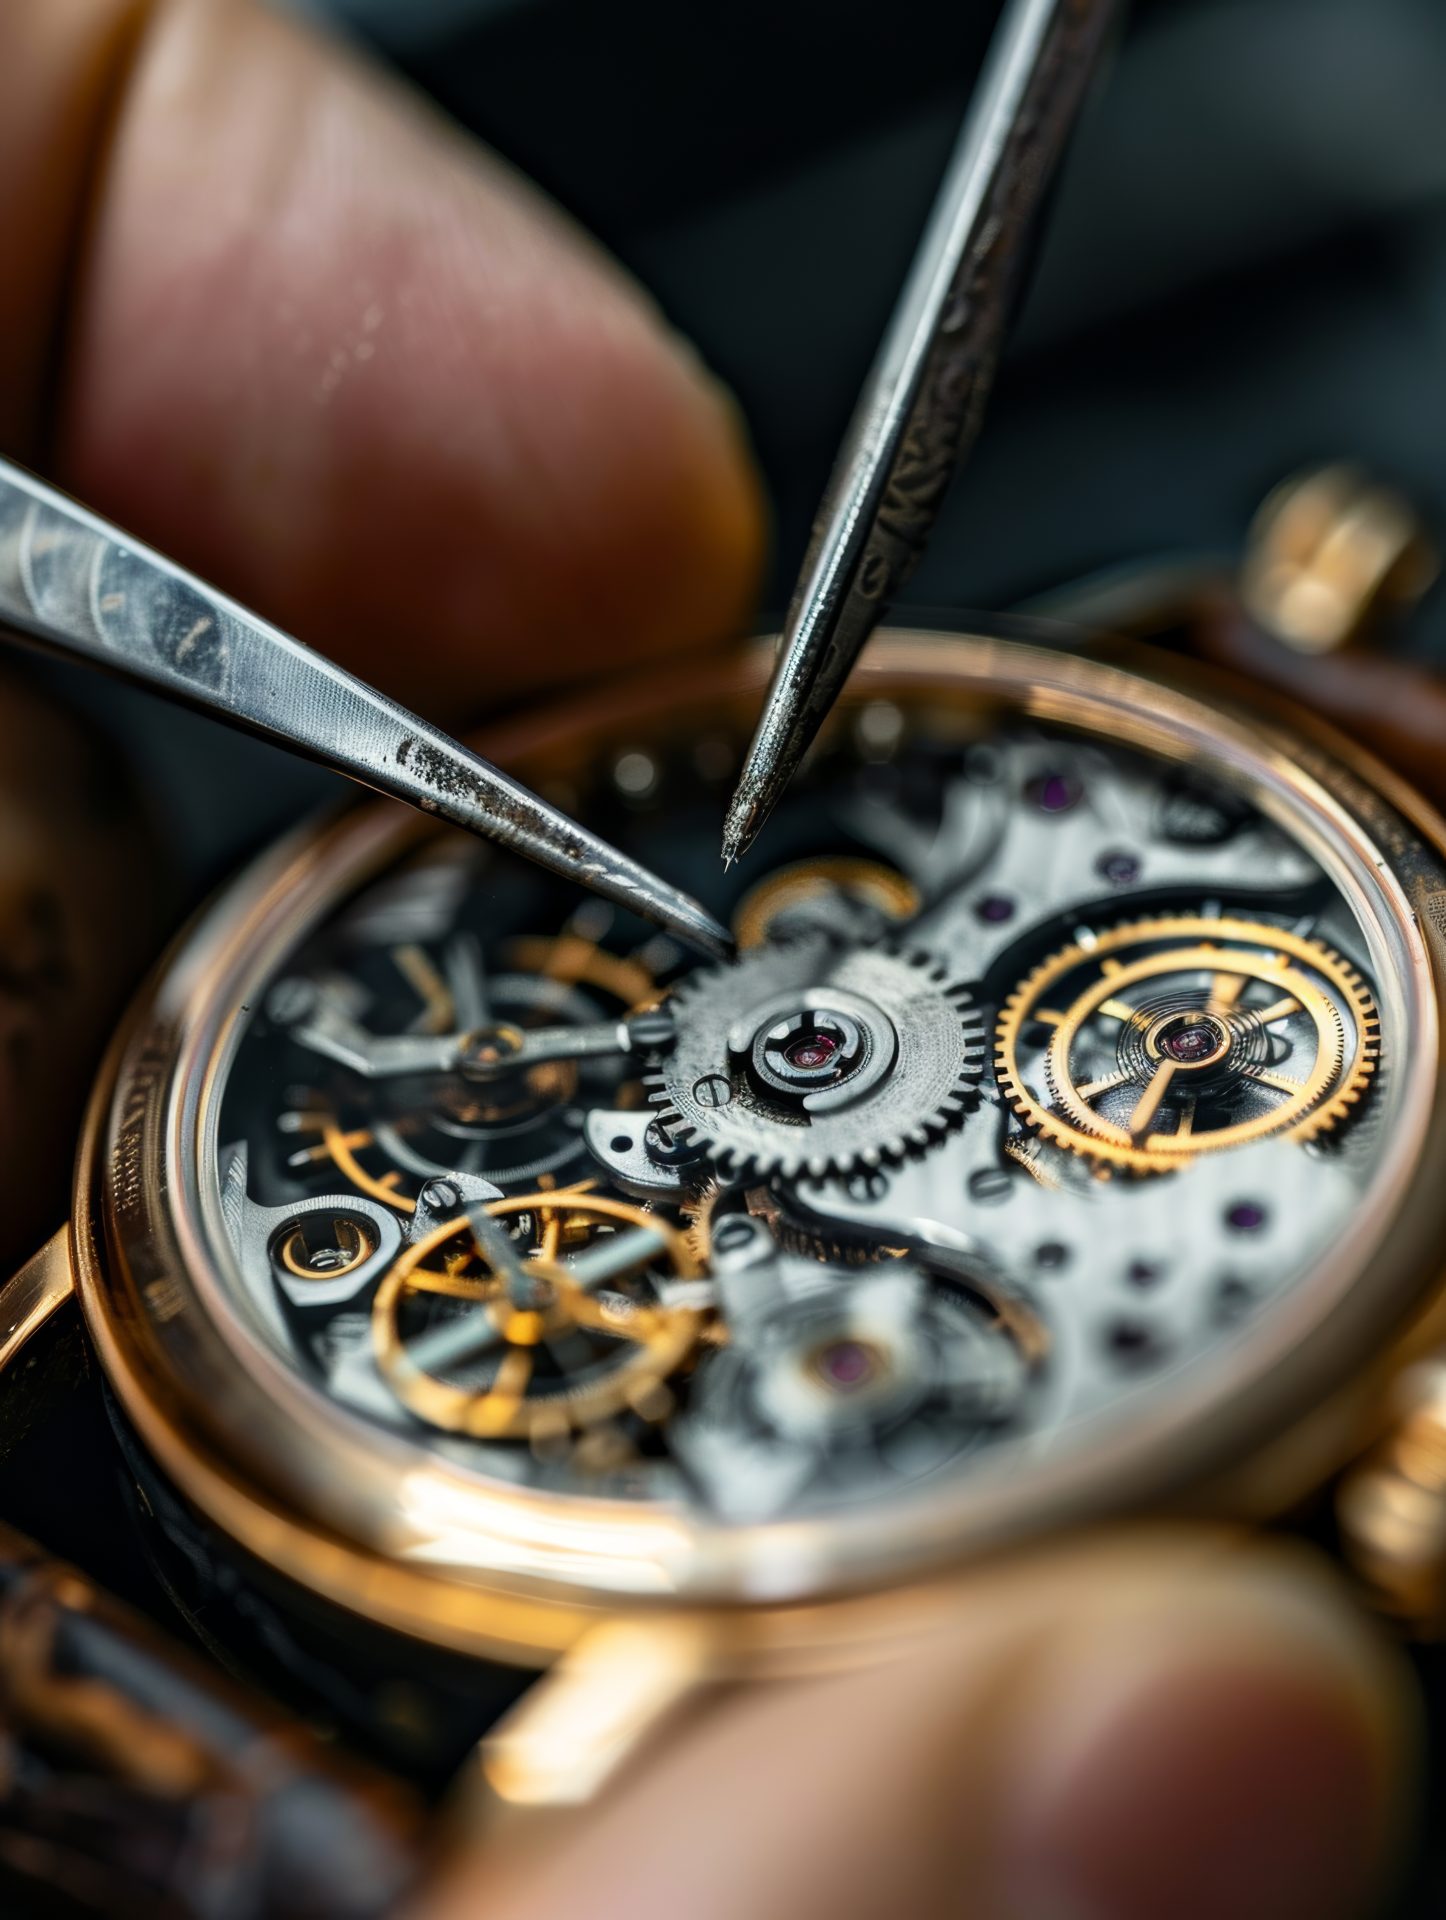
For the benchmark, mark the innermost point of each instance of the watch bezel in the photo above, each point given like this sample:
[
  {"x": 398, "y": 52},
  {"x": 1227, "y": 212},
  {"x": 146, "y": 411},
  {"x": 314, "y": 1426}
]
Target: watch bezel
[{"x": 358, "y": 1515}]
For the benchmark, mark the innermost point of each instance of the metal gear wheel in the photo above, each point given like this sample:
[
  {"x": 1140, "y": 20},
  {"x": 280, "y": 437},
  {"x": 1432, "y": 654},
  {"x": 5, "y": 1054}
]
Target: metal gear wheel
[
  {"x": 608, "y": 1352},
  {"x": 815, "y": 1056},
  {"x": 1163, "y": 1036}
]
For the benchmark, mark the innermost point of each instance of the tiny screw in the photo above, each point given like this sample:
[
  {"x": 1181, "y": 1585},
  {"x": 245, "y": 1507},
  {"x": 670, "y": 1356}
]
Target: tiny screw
[
  {"x": 652, "y": 1031},
  {"x": 713, "y": 1090},
  {"x": 734, "y": 1233},
  {"x": 1133, "y": 1343},
  {"x": 440, "y": 1196},
  {"x": 1119, "y": 868},
  {"x": 661, "y": 1146},
  {"x": 989, "y": 1184}
]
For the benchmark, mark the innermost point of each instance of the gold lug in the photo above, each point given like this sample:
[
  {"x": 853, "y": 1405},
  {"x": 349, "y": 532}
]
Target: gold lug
[
  {"x": 31, "y": 1296},
  {"x": 1331, "y": 555},
  {"x": 578, "y": 1725}
]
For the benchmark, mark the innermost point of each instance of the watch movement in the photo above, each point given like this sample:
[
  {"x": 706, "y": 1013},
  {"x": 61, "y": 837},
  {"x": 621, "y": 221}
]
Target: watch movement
[{"x": 478, "y": 1257}]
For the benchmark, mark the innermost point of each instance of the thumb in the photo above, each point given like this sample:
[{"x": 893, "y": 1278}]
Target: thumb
[
  {"x": 323, "y": 349},
  {"x": 1140, "y": 1728}
]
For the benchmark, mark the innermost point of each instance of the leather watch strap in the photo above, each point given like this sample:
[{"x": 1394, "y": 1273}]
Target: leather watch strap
[{"x": 135, "y": 1780}]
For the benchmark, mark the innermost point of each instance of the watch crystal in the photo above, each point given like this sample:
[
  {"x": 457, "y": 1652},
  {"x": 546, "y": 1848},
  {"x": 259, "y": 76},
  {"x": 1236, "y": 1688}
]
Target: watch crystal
[{"x": 1047, "y": 1069}]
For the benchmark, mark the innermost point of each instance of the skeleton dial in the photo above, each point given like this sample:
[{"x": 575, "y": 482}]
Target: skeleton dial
[{"x": 1044, "y": 1069}]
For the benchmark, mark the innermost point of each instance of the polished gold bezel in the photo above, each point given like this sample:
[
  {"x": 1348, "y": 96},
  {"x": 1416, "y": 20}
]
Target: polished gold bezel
[{"x": 371, "y": 1522}]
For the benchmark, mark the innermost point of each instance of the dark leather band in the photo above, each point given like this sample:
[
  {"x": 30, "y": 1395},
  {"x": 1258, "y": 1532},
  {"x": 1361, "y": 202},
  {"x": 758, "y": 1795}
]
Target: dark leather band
[
  {"x": 135, "y": 1780},
  {"x": 413, "y": 1710}
]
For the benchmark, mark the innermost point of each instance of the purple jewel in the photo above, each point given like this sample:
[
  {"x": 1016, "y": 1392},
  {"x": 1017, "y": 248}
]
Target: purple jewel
[
  {"x": 994, "y": 909},
  {"x": 1120, "y": 869},
  {"x": 1246, "y": 1216},
  {"x": 1054, "y": 792},
  {"x": 1191, "y": 1045},
  {"x": 846, "y": 1364}
]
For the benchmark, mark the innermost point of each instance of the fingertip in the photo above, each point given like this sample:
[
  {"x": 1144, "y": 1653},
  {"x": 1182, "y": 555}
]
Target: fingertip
[
  {"x": 1160, "y": 1723},
  {"x": 726, "y": 529},
  {"x": 1242, "y": 1752},
  {"x": 660, "y": 529},
  {"x": 363, "y": 377}
]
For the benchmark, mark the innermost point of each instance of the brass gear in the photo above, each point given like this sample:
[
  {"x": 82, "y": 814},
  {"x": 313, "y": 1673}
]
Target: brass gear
[
  {"x": 652, "y": 1341},
  {"x": 697, "y": 1211},
  {"x": 571, "y": 958},
  {"x": 879, "y": 889},
  {"x": 1168, "y": 1040}
]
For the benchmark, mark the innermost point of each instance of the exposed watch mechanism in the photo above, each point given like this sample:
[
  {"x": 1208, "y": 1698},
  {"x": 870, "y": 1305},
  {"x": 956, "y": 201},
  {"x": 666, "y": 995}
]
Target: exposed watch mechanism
[{"x": 1043, "y": 1068}]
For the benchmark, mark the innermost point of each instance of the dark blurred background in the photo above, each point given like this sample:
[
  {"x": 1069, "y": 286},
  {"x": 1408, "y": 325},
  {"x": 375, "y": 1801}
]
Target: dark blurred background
[{"x": 1246, "y": 269}]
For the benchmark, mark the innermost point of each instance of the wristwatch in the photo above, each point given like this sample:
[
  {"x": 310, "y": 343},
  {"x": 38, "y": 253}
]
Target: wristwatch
[{"x": 509, "y": 1329}]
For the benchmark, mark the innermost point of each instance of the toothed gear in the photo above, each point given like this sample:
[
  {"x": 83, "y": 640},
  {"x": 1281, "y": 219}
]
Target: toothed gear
[
  {"x": 1190, "y": 1012},
  {"x": 697, "y": 1212},
  {"x": 816, "y": 1056}
]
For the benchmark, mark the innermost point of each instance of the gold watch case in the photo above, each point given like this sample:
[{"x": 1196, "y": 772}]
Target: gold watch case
[{"x": 370, "y": 1522}]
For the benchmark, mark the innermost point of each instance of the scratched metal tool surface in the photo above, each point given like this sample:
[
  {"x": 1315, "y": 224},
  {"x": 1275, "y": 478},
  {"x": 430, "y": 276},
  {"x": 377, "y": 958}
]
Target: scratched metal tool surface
[
  {"x": 77, "y": 586},
  {"x": 924, "y": 400}
]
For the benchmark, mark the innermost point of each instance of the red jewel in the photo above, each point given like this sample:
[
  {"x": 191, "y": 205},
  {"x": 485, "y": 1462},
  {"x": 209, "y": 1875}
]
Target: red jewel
[{"x": 814, "y": 1051}]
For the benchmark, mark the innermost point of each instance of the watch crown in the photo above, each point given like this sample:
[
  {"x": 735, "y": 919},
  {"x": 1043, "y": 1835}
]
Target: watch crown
[
  {"x": 1332, "y": 555},
  {"x": 1392, "y": 1506}
]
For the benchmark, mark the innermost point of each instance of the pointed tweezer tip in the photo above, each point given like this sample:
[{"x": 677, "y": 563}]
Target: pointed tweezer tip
[
  {"x": 739, "y": 831},
  {"x": 708, "y": 934}
]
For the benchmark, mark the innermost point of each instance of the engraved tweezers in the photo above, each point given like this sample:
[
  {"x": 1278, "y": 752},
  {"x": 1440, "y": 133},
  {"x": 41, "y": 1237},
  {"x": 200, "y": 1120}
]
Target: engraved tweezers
[
  {"x": 78, "y": 587},
  {"x": 921, "y": 405}
]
